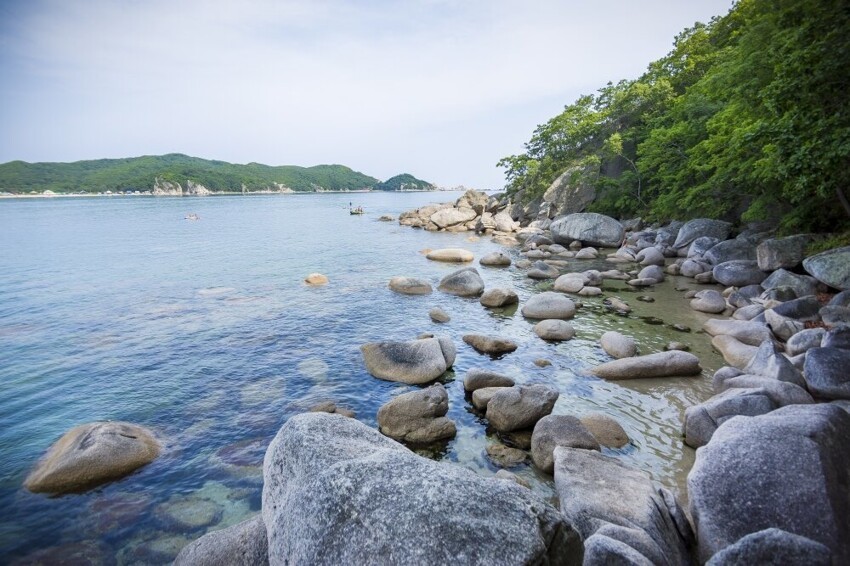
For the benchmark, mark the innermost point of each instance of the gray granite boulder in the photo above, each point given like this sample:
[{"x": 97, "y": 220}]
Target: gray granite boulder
[
  {"x": 801, "y": 284},
  {"x": 702, "y": 420},
  {"x": 773, "y": 546},
  {"x": 751, "y": 333},
  {"x": 666, "y": 235},
  {"x": 838, "y": 337},
  {"x": 607, "y": 431},
  {"x": 409, "y": 286},
  {"x": 439, "y": 315},
  {"x": 417, "y": 417},
  {"x": 709, "y": 301},
  {"x": 735, "y": 352},
  {"x": 549, "y": 305},
  {"x": 463, "y": 283},
  {"x": 243, "y": 544},
  {"x": 495, "y": 259},
  {"x": 701, "y": 245},
  {"x": 542, "y": 270},
  {"x": 477, "y": 378},
  {"x": 770, "y": 362},
  {"x": 804, "y": 340},
  {"x": 827, "y": 372},
  {"x": 730, "y": 250},
  {"x": 413, "y": 362},
  {"x": 650, "y": 256},
  {"x": 618, "y": 345},
  {"x": 738, "y": 273},
  {"x": 788, "y": 469},
  {"x": 515, "y": 408},
  {"x": 452, "y": 216},
  {"x": 570, "y": 283},
  {"x": 498, "y": 297},
  {"x": 783, "y": 327},
  {"x": 804, "y": 308},
  {"x": 781, "y": 253},
  {"x": 652, "y": 272},
  {"x": 554, "y": 329},
  {"x": 692, "y": 268},
  {"x": 661, "y": 364},
  {"x": 589, "y": 228},
  {"x": 619, "y": 512},
  {"x": 492, "y": 345},
  {"x": 833, "y": 316},
  {"x": 782, "y": 393},
  {"x": 831, "y": 267},
  {"x": 452, "y": 255},
  {"x": 338, "y": 492},
  {"x": 558, "y": 430},
  {"x": 92, "y": 454},
  {"x": 701, "y": 227},
  {"x": 481, "y": 397}
]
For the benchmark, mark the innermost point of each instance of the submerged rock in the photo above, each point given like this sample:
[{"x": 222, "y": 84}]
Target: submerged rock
[
  {"x": 91, "y": 454},
  {"x": 243, "y": 544},
  {"x": 316, "y": 279},
  {"x": 490, "y": 344},
  {"x": 661, "y": 364},
  {"x": 338, "y": 492}
]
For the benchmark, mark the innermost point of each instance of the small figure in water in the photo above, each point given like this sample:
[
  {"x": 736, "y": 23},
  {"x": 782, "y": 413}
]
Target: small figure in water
[{"x": 192, "y": 216}]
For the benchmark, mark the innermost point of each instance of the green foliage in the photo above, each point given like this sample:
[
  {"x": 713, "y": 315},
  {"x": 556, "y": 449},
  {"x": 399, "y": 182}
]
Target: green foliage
[
  {"x": 404, "y": 182},
  {"x": 746, "y": 118},
  {"x": 138, "y": 173}
]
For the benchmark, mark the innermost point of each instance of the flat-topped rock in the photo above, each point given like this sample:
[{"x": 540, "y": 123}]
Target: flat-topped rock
[
  {"x": 520, "y": 407},
  {"x": 410, "y": 286},
  {"x": 661, "y": 364},
  {"x": 589, "y": 228},
  {"x": 456, "y": 255},
  {"x": 495, "y": 259},
  {"x": 492, "y": 345},
  {"x": 477, "y": 378},
  {"x": 413, "y": 362},
  {"x": 91, "y": 454},
  {"x": 558, "y": 430},
  {"x": 498, "y": 297}
]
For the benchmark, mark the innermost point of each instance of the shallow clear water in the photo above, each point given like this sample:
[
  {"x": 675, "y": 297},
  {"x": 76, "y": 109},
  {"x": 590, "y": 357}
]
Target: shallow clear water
[{"x": 118, "y": 308}]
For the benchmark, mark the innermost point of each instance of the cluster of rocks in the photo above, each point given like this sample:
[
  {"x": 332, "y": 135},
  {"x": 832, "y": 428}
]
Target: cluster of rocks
[{"x": 474, "y": 211}]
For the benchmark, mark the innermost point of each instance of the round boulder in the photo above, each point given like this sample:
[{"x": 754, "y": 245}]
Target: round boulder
[
  {"x": 316, "y": 279},
  {"x": 709, "y": 301},
  {"x": 738, "y": 273},
  {"x": 558, "y": 430},
  {"x": 618, "y": 345},
  {"x": 413, "y": 362},
  {"x": 498, "y": 297},
  {"x": 463, "y": 283},
  {"x": 91, "y": 454},
  {"x": 588, "y": 227},
  {"x": 605, "y": 430},
  {"x": 549, "y": 305},
  {"x": 515, "y": 408},
  {"x": 409, "y": 286},
  {"x": 495, "y": 259},
  {"x": 554, "y": 329},
  {"x": 418, "y": 417},
  {"x": 439, "y": 315}
]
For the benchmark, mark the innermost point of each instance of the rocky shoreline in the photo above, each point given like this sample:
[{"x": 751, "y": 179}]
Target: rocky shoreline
[{"x": 771, "y": 477}]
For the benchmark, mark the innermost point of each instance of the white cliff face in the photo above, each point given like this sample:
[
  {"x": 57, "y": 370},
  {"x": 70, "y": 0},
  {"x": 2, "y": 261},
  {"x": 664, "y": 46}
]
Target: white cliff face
[
  {"x": 196, "y": 189},
  {"x": 166, "y": 188},
  {"x": 281, "y": 188}
]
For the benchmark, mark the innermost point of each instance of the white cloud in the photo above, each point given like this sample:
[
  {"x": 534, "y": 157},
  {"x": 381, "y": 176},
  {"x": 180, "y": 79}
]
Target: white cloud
[{"x": 420, "y": 86}]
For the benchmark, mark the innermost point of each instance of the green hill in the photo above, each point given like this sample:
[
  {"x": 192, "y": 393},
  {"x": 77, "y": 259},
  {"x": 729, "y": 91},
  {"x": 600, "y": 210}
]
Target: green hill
[
  {"x": 138, "y": 173},
  {"x": 404, "y": 182}
]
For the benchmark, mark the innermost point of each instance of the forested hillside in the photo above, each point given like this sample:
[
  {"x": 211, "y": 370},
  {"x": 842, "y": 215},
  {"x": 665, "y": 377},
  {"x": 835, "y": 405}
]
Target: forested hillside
[
  {"x": 747, "y": 118},
  {"x": 138, "y": 173},
  {"x": 404, "y": 182}
]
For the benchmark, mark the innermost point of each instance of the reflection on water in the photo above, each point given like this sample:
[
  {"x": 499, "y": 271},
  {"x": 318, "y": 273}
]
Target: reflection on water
[{"x": 204, "y": 332}]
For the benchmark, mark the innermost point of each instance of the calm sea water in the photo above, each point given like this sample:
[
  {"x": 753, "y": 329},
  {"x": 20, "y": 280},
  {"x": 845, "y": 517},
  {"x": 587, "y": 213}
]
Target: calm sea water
[{"x": 118, "y": 308}]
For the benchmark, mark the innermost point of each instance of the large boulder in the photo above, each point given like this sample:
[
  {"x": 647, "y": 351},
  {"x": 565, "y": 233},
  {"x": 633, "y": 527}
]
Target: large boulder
[
  {"x": 701, "y": 227},
  {"x": 831, "y": 267},
  {"x": 498, "y": 297},
  {"x": 409, "y": 286},
  {"x": 781, "y": 253},
  {"x": 622, "y": 516},
  {"x": 492, "y": 345},
  {"x": 661, "y": 364},
  {"x": 773, "y": 546},
  {"x": 701, "y": 421},
  {"x": 418, "y": 417},
  {"x": 338, "y": 492},
  {"x": 554, "y": 329},
  {"x": 709, "y": 301},
  {"x": 738, "y": 273},
  {"x": 413, "y": 362},
  {"x": 782, "y": 393},
  {"x": 618, "y": 345},
  {"x": 495, "y": 259},
  {"x": 826, "y": 372},
  {"x": 730, "y": 250},
  {"x": 463, "y": 283},
  {"x": 804, "y": 308},
  {"x": 570, "y": 192},
  {"x": 801, "y": 284},
  {"x": 735, "y": 352},
  {"x": 243, "y": 544},
  {"x": 92, "y": 454},
  {"x": 558, "y": 430},
  {"x": 788, "y": 469},
  {"x": 504, "y": 222},
  {"x": 751, "y": 333},
  {"x": 589, "y": 228},
  {"x": 455, "y": 255},
  {"x": 549, "y": 305},
  {"x": 770, "y": 362},
  {"x": 452, "y": 216},
  {"x": 515, "y": 408},
  {"x": 477, "y": 378}
]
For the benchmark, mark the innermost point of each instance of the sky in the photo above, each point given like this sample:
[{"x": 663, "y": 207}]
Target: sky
[{"x": 436, "y": 88}]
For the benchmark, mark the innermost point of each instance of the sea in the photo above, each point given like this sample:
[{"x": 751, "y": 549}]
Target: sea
[{"x": 120, "y": 308}]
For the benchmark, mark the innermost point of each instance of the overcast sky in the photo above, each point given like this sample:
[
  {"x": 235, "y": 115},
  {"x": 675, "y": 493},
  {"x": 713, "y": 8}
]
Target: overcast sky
[{"x": 440, "y": 89}]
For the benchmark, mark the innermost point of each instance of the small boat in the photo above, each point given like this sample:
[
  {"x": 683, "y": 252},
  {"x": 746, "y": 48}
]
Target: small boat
[
  {"x": 356, "y": 210},
  {"x": 192, "y": 216}
]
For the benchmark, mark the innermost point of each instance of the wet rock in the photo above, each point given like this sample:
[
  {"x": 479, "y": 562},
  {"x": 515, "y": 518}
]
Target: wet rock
[
  {"x": 477, "y": 378},
  {"x": 542, "y": 362},
  {"x": 781, "y": 253},
  {"x": 590, "y": 228},
  {"x": 84, "y": 553},
  {"x": 800, "y": 452},
  {"x": 542, "y": 270},
  {"x": 570, "y": 283},
  {"x": 773, "y": 546},
  {"x": 505, "y": 456},
  {"x": 490, "y": 344},
  {"x": 646, "y": 299},
  {"x": 331, "y": 407},
  {"x": 189, "y": 512},
  {"x": 326, "y": 475},
  {"x": 651, "y": 272},
  {"x": 520, "y": 407},
  {"x": 617, "y": 305},
  {"x": 677, "y": 346},
  {"x": 481, "y": 397},
  {"x": 804, "y": 340},
  {"x": 706, "y": 278},
  {"x": 701, "y": 421},
  {"x": 410, "y": 286},
  {"x": 738, "y": 273},
  {"x": 316, "y": 279},
  {"x": 751, "y": 333},
  {"x": 605, "y": 430},
  {"x": 243, "y": 544},
  {"x": 462, "y": 283},
  {"x": 498, "y": 297},
  {"x": 590, "y": 292},
  {"x": 831, "y": 267},
  {"x": 642, "y": 282},
  {"x": 587, "y": 253},
  {"x": 699, "y": 228},
  {"x": 709, "y": 301},
  {"x": 618, "y": 345},
  {"x": 558, "y": 430},
  {"x": 650, "y": 256},
  {"x": 621, "y": 509},
  {"x": 826, "y": 372},
  {"x": 495, "y": 259},
  {"x": 509, "y": 476},
  {"x": 554, "y": 329},
  {"x": 439, "y": 315},
  {"x": 413, "y": 362},
  {"x": 735, "y": 352},
  {"x": 549, "y": 305},
  {"x": 92, "y": 454},
  {"x": 418, "y": 417},
  {"x": 661, "y": 364}
]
